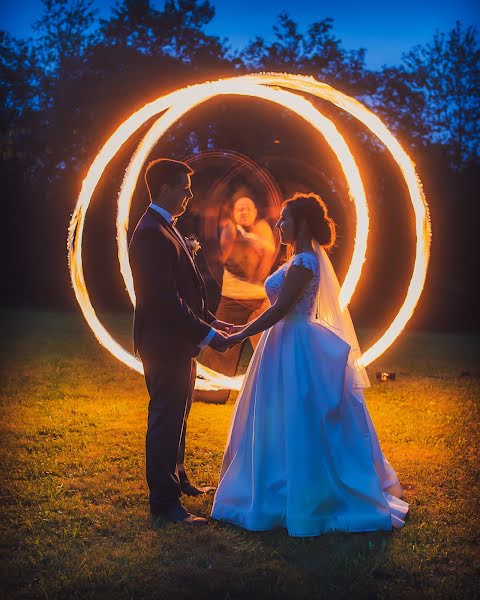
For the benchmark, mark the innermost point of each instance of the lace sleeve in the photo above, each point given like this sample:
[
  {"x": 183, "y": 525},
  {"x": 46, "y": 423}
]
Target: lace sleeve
[{"x": 308, "y": 261}]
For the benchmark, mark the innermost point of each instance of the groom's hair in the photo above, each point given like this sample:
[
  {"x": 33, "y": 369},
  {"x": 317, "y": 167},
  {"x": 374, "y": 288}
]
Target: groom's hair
[{"x": 164, "y": 171}]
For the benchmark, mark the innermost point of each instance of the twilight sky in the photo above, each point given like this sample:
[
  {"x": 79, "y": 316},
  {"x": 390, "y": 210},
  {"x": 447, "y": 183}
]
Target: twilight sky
[{"x": 385, "y": 29}]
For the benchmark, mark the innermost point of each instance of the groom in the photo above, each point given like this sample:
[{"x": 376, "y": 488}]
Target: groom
[{"x": 172, "y": 324}]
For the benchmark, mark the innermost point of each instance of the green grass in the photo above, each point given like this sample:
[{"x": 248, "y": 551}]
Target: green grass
[{"x": 74, "y": 500}]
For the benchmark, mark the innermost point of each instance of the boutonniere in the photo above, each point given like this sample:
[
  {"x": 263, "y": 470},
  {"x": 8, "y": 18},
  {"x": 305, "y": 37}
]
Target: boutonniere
[{"x": 193, "y": 245}]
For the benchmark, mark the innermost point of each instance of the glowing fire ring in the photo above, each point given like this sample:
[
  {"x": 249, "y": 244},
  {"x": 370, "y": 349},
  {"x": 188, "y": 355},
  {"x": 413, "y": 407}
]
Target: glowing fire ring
[
  {"x": 297, "y": 104},
  {"x": 175, "y": 105}
]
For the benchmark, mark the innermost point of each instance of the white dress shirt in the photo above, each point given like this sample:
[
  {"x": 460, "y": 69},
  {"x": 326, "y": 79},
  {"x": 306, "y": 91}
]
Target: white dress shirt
[{"x": 168, "y": 217}]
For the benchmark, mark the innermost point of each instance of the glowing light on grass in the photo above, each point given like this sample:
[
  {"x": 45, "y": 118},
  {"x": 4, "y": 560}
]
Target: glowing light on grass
[{"x": 176, "y": 104}]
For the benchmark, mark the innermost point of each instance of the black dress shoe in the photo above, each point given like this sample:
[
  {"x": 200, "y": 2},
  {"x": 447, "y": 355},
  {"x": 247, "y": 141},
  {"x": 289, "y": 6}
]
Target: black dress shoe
[
  {"x": 177, "y": 514},
  {"x": 192, "y": 490}
]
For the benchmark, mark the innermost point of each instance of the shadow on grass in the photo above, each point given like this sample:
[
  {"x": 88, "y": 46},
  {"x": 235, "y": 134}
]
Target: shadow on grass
[{"x": 334, "y": 557}]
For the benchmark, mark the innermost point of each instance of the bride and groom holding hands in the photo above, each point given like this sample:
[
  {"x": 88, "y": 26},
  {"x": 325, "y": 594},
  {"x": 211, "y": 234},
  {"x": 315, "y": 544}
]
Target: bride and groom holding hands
[{"x": 302, "y": 452}]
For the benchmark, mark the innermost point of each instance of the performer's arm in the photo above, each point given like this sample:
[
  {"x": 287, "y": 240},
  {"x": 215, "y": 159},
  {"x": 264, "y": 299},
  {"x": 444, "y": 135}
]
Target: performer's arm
[
  {"x": 268, "y": 242},
  {"x": 227, "y": 239}
]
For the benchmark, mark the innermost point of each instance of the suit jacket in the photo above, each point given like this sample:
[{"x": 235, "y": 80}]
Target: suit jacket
[{"x": 171, "y": 314}]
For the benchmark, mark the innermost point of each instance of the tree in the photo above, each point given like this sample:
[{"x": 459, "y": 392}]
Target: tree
[
  {"x": 446, "y": 73},
  {"x": 18, "y": 76},
  {"x": 132, "y": 24},
  {"x": 400, "y": 106},
  {"x": 318, "y": 53},
  {"x": 64, "y": 32},
  {"x": 176, "y": 31}
]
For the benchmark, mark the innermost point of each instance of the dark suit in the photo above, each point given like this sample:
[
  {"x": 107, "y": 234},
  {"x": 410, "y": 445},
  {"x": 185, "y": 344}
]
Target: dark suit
[{"x": 171, "y": 319}]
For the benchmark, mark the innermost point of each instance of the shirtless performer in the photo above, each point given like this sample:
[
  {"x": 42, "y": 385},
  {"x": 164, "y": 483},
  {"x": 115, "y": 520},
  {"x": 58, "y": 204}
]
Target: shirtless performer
[{"x": 247, "y": 249}]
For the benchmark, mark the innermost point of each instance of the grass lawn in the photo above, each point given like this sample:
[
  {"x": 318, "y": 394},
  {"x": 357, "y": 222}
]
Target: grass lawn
[{"x": 74, "y": 499}]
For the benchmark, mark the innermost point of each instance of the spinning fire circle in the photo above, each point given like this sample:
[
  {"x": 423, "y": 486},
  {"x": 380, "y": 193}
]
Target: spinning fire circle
[{"x": 266, "y": 86}]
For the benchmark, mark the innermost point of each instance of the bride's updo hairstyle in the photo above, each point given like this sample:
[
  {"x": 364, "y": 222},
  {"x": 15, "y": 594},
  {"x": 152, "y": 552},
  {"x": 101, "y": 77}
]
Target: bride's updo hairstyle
[{"x": 313, "y": 210}]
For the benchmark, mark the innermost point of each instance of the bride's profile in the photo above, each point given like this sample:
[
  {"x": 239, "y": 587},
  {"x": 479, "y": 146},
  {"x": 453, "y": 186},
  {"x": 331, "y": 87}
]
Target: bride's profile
[{"x": 302, "y": 452}]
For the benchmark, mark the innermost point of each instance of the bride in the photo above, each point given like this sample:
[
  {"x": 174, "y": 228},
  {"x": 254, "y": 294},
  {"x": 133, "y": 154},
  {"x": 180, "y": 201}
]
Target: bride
[{"x": 302, "y": 452}]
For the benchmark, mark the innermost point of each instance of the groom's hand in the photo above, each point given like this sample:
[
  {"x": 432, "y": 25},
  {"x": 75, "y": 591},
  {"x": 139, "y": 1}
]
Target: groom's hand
[
  {"x": 219, "y": 342},
  {"x": 223, "y": 326},
  {"x": 235, "y": 338}
]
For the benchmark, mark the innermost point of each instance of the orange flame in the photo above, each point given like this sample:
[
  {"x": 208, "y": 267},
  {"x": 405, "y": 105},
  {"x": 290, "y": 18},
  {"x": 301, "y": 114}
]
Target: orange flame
[{"x": 176, "y": 104}]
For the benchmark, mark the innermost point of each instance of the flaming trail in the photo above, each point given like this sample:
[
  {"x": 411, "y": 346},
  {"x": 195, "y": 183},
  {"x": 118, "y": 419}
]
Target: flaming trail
[
  {"x": 173, "y": 106},
  {"x": 295, "y": 103},
  {"x": 415, "y": 189}
]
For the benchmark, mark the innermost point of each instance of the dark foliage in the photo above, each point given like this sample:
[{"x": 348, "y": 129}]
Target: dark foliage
[{"x": 66, "y": 90}]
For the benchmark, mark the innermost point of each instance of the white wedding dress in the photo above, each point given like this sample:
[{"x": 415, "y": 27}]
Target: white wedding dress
[{"x": 302, "y": 452}]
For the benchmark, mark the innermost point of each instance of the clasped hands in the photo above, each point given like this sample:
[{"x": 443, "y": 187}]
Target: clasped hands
[{"x": 226, "y": 335}]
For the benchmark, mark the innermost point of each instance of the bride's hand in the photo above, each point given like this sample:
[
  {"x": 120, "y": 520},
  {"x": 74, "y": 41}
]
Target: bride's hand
[
  {"x": 227, "y": 328},
  {"x": 236, "y": 329},
  {"x": 235, "y": 338}
]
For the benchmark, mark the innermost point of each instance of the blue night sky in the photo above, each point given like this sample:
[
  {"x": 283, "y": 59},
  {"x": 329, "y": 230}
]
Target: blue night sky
[{"x": 385, "y": 29}]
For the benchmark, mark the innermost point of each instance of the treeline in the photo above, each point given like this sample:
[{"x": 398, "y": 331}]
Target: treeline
[{"x": 64, "y": 90}]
